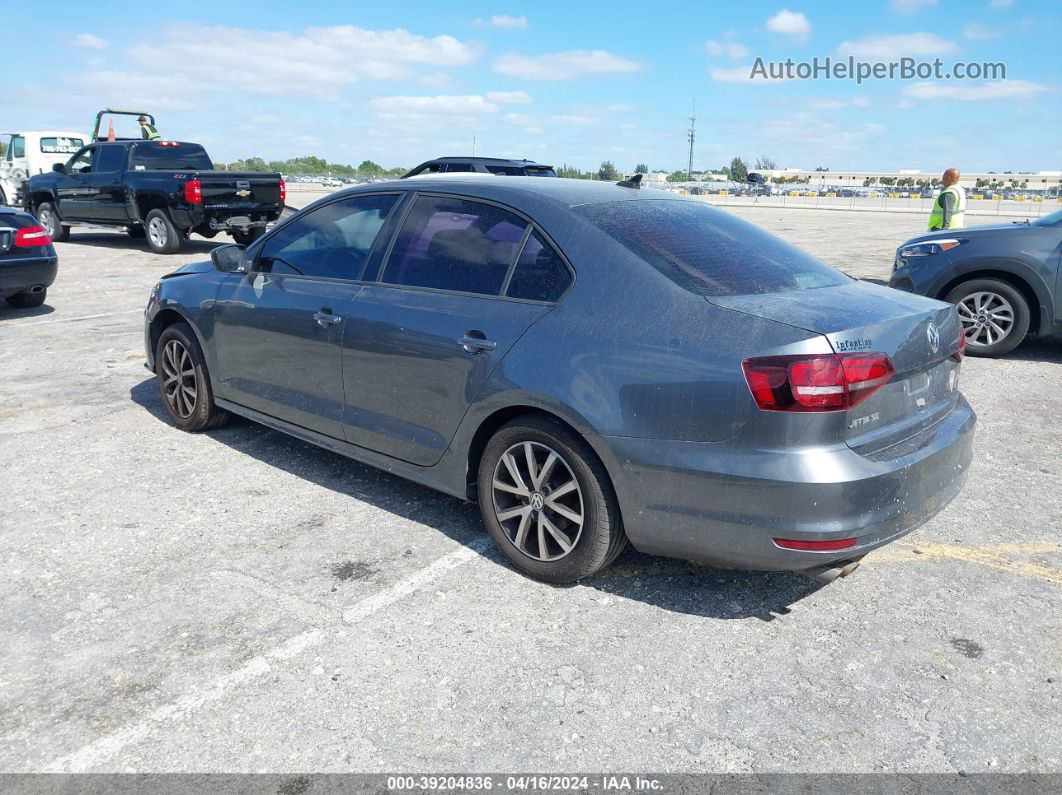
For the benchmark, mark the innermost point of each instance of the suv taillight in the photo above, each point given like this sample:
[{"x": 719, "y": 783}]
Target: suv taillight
[
  {"x": 283, "y": 191},
  {"x": 193, "y": 191},
  {"x": 816, "y": 382},
  {"x": 30, "y": 236}
]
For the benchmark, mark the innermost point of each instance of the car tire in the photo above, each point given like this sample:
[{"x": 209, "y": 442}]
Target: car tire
[
  {"x": 248, "y": 237},
  {"x": 515, "y": 519},
  {"x": 986, "y": 307},
  {"x": 162, "y": 235},
  {"x": 136, "y": 232},
  {"x": 49, "y": 219},
  {"x": 27, "y": 300},
  {"x": 184, "y": 382}
]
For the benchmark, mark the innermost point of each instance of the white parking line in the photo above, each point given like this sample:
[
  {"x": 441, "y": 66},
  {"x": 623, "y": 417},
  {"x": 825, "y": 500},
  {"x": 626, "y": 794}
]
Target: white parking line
[
  {"x": 88, "y": 756},
  {"x": 80, "y": 317}
]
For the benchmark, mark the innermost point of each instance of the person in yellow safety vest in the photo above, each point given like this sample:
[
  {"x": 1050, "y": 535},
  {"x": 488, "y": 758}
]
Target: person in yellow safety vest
[
  {"x": 147, "y": 130},
  {"x": 949, "y": 208}
]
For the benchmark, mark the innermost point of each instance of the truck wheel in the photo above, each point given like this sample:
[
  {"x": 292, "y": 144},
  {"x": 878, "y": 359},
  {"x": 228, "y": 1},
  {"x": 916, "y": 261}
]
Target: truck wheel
[
  {"x": 162, "y": 235},
  {"x": 27, "y": 300},
  {"x": 248, "y": 237},
  {"x": 135, "y": 232},
  {"x": 50, "y": 220}
]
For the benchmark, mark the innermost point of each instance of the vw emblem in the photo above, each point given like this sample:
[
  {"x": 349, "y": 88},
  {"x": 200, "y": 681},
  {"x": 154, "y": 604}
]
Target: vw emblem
[
  {"x": 934, "y": 337},
  {"x": 537, "y": 502}
]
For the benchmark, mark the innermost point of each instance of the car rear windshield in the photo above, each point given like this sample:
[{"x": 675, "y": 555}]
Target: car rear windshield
[
  {"x": 708, "y": 251},
  {"x": 190, "y": 157}
]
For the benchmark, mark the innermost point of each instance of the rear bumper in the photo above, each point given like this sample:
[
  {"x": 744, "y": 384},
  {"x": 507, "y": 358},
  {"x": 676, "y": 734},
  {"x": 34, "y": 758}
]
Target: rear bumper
[
  {"x": 224, "y": 220},
  {"x": 18, "y": 275},
  {"x": 723, "y": 504}
]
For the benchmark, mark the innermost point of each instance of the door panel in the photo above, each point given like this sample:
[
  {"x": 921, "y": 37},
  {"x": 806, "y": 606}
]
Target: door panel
[
  {"x": 73, "y": 192},
  {"x": 277, "y": 351},
  {"x": 408, "y": 380}
]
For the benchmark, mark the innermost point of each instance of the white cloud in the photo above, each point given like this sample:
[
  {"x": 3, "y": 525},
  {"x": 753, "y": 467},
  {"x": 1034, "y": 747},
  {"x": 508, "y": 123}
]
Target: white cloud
[
  {"x": 789, "y": 23},
  {"x": 838, "y": 104},
  {"x": 564, "y": 65},
  {"x": 316, "y": 61},
  {"x": 910, "y": 6},
  {"x": 729, "y": 48},
  {"x": 440, "y": 105},
  {"x": 163, "y": 90},
  {"x": 503, "y": 21},
  {"x": 740, "y": 74},
  {"x": 979, "y": 32},
  {"x": 1000, "y": 3},
  {"x": 89, "y": 41},
  {"x": 975, "y": 92},
  {"x": 892, "y": 47},
  {"x": 509, "y": 97},
  {"x": 438, "y": 80}
]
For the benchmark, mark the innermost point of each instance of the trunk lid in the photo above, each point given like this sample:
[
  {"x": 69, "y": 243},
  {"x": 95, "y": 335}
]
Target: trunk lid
[
  {"x": 239, "y": 190},
  {"x": 919, "y": 335}
]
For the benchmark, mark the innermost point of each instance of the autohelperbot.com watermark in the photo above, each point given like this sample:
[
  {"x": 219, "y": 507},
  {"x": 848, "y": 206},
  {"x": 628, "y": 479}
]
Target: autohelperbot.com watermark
[{"x": 850, "y": 68}]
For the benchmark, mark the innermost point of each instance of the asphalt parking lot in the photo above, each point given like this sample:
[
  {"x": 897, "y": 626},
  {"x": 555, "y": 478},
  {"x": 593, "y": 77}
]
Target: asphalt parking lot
[{"x": 241, "y": 601}]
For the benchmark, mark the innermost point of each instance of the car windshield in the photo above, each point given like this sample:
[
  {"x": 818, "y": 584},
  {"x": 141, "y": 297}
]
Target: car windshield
[
  {"x": 1054, "y": 219},
  {"x": 709, "y": 251},
  {"x": 167, "y": 156}
]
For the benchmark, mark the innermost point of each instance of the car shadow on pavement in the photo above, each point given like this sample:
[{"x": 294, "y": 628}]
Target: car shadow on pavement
[
  {"x": 669, "y": 584},
  {"x": 8, "y": 312},
  {"x": 120, "y": 240},
  {"x": 1038, "y": 349}
]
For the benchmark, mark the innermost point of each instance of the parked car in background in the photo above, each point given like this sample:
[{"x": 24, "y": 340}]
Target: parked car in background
[
  {"x": 553, "y": 349},
  {"x": 1003, "y": 279},
  {"x": 161, "y": 190},
  {"x": 29, "y": 153},
  {"x": 482, "y": 165},
  {"x": 28, "y": 261}
]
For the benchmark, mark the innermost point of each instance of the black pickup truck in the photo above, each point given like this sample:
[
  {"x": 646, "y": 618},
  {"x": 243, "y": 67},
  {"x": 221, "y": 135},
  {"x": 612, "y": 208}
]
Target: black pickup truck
[{"x": 161, "y": 190}]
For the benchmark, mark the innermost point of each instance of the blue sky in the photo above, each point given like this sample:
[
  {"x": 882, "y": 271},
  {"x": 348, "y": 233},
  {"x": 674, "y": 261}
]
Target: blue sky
[{"x": 576, "y": 82}]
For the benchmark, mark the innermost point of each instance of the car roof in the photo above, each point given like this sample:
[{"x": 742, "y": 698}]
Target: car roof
[
  {"x": 6, "y": 210},
  {"x": 570, "y": 192},
  {"x": 476, "y": 159}
]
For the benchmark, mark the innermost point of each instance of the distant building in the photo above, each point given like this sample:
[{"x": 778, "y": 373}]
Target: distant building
[{"x": 1041, "y": 181}]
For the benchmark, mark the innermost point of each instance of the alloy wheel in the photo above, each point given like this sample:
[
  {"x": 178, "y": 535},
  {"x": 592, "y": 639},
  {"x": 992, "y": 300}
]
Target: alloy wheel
[
  {"x": 537, "y": 501},
  {"x": 178, "y": 379},
  {"x": 986, "y": 317},
  {"x": 47, "y": 219},
  {"x": 157, "y": 232}
]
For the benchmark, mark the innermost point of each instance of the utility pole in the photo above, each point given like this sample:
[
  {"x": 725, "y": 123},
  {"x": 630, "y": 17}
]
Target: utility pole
[
  {"x": 692, "y": 135},
  {"x": 473, "y": 144}
]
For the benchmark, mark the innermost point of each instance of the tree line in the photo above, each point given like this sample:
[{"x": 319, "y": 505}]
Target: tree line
[{"x": 313, "y": 165}]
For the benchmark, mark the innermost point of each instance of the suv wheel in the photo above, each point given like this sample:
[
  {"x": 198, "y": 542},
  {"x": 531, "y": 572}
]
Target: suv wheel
[
  {"x": 547, "y": 501},
  {"x": 50, "y": 220},
  {"x": 995, "y": 316},
  {"x": 162, "y": 235},
  {"x": 184, "y": 383}
]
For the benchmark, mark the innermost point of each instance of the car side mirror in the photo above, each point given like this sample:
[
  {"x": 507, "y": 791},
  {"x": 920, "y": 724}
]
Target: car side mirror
[
  {"x": 230, "y": 259},
  {"x": 59, "y": 167}
]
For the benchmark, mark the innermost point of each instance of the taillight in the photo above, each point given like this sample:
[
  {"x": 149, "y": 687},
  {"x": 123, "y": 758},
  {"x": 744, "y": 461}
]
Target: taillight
[
  {"x": 283, "y": 191},
  {"x": 816, "y": 382},
  {"x": 169, "y": 143},
  {"x": 960, "y": 352},
  {"x": 193, "y": 191},
  {"x": 30, "y": 236}
]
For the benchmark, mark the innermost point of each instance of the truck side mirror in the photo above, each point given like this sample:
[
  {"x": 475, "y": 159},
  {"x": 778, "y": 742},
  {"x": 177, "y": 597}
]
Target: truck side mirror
[
  {"x": 230, "y": 259},
  {"x": 60, "y": 167}
]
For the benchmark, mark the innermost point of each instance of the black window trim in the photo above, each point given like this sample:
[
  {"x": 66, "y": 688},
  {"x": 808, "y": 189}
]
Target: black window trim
[
  {"x": 531, "y": 228},
  {"x": 264, "y": 240}
]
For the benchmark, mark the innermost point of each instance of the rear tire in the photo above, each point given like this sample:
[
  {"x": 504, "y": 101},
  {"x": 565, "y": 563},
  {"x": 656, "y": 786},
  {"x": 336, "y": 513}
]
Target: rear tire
[
  {"x": 995, "y": 316},
  {"x": 184, "y": 382},
  {"x": 49, "y": 219},
  {"x": 162, "y": 235},
  {"x": 27, "y": 300},
  {"x": 560, "y": 538}
]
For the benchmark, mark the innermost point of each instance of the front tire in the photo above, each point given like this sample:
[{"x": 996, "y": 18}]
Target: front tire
[
  {"x": 995, "y": 316},
  {"x": 49, "y": 219},
  {"x": 162, "y": 235},
  {"x": 183, "y": 381},
  {"x": 27, "y": 300},
  {"x": 547, "y": 501}
]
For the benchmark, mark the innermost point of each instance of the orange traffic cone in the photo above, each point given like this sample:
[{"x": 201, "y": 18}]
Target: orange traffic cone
[{"x": 110, "y": 131}]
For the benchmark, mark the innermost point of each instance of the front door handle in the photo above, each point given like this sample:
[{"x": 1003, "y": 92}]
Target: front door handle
[
  {"x": 326, "y": 319},
  {"x": 476, "y": 344}
]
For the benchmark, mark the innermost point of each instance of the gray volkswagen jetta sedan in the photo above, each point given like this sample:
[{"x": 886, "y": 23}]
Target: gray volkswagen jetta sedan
[{"x": 594, "y": 363}]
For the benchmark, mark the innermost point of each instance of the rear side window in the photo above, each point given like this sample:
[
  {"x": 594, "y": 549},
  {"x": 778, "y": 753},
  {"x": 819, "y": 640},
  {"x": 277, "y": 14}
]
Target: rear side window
[
  {"x": 331, "y": 242},
  {"x": 708, "y": 251},
  {"x": 508, "y": 171},
  {"x": 540, "y": 273},
  {"x": 110, "y": 158},
  {"x": 183, "y": 157},
  {"x": 540, "y": 171},
  {"x": 458, "y": 167},
  {"x": 453, "y": 244}
]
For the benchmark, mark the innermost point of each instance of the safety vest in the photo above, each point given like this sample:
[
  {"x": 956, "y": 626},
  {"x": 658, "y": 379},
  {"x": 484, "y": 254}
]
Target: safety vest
[
  {"x": 936, "y": 215},
  {"x": 149, "y": 132}
]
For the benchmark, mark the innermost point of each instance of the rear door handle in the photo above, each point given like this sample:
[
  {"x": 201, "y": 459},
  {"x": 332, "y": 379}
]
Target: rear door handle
[
  {"x": 476, "y": 344},
  {"x": 326, "y": 319}
]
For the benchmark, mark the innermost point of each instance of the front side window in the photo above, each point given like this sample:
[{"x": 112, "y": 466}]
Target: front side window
[
  {"x": 448, "y": 243},
  {"x": 18, "y": 146},
  {"x": 540, "y": 273},
  {"x": 81, "y": 163},
  {"x": 331, "y": 242}
]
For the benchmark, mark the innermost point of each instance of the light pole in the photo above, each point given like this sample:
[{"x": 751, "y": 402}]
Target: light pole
[{"x": 692, "y": 135}]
